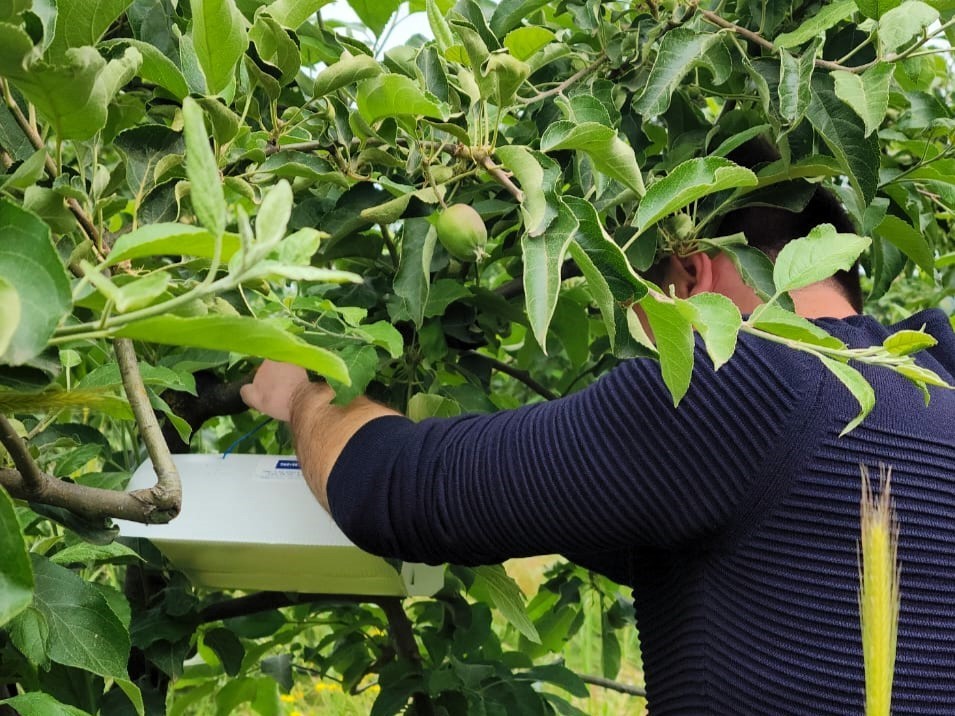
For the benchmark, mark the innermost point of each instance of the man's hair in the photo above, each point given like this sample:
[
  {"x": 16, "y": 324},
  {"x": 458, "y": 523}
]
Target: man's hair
[{"x": 770, "y": 228}]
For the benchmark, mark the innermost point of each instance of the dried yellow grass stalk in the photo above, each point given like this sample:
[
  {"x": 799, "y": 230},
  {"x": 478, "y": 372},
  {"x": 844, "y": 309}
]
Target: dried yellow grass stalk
[{"x": 879, "y": 592}]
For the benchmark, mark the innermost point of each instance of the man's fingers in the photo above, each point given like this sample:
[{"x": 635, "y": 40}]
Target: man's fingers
[{"x": 249, "y": 394}]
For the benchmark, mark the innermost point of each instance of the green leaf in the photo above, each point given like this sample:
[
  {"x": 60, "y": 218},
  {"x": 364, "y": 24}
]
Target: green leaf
[
  {"x": 169, "y": 239},
  {"x": 274, "y": 46},
  {"x": 73, "y": 93},
  {"x": 227, "y": 647},
  {"x": 907, "y": 239},
  {"x": 349, "y": 69},
  {"x": 827, "y": 17},
  {"x": 9, "y": 313},
  {"x": 16, "y": 576},
  {"x": 509, "y": 14},
  {"x": 393, "y": 96},
  {"x": 38, "y": 703},
  {"x": 907, "y": 342},
  {"x": 239, "y": 334},
  {"x": 272, "y": 218},
  {"x": 691, "y": 180},
  {"x": 375, "y": 14},
  {"x": 543, "y": 257},
  {"x": 599, "y": 289},
  {"x": 507, "y": 597},
  {"x": 718, "y": 320},
  {"x": 425, "y": 405},
  {"x": 439, "y": 26},
  {"x": 412, "y": 281},
  {"x": 815, "y": 257},
  {"x": 507, "y": 74},
  {"x": 608, "y": 259},
  {"x": 43, "y": 291},
  {"x": 362, "y": 364},
  {"x": 293, "y": 13},
  {"x": 91, "y": 554},
  {"x": 141, "y": 292},
  {"x": 220, "y": 40},
  {"x": 680, "y": 50},
  {"x": 83, "y": 22},
  {"x": 786, "y": 324},
  {"x": 673, "y": 334},
  {"x": 839, "y": 128},
  {"x": 538, "y": 175},
  {"x": 921, "y": 377},
  {"x": 384, "y": 335},
  {"x": 904, "y": 22},
  {"x": 609, "y": 153},
  {"x": 9, "y": 9},
  {"x": 525, "y": 42},
  {"x": 857, "y": 385},
  {"x": 867, "y": 94},
  {"x": 794, "y": 91},
  {"x": 84, "y": 630},
  {"x": 28, "y": 173},
  {"x": 133, "y": 693},
  {"x": 144, "y": 147},
  {"x": 30, "y": 633},
  {"x": 206, "y": 193}
]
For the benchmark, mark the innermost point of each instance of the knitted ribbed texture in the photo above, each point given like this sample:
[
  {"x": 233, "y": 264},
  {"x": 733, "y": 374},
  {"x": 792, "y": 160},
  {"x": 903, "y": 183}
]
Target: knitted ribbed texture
[{"x": 735, "y": 518}]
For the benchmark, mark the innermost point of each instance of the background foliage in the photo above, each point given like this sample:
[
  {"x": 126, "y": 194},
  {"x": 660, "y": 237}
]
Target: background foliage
[{"x": 220, "y": 179}]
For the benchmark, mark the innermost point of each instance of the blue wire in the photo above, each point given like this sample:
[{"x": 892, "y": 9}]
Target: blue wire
[{"x": 249, "y": 434}]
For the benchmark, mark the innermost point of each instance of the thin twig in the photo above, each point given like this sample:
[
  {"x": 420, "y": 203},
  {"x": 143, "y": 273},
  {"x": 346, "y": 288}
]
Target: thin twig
[
  {"x": 168, "y": 489},
  {"x": 402, "y": 633},
  {"x": 500, "y": 176},
  {"x": 33, "y": 479},
  {"x": 758, "y": 39},
  {"x": 566, "y": 84},
  {"x": 613, "y": 685},
  {"x": 521, "y": 375}
]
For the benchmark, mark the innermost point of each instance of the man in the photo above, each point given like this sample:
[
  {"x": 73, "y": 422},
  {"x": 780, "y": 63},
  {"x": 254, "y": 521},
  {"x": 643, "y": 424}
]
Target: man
[{"x": 735, "y": 518}]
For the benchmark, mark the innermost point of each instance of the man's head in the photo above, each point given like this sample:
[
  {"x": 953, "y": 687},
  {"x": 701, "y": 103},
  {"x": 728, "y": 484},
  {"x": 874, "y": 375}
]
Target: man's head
[{"x": 766, "y": 228}]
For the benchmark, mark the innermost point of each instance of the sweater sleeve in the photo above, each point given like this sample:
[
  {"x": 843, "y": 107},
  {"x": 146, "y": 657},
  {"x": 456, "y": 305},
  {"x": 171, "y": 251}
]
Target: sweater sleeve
[{"x": 610, "y": 467}]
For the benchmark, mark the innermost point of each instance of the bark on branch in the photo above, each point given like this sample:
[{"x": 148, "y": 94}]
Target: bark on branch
[
  {"x": 92, "y": 503},
  {"x": 167, "y": 492},
  {"x": 153, "y": 505}
]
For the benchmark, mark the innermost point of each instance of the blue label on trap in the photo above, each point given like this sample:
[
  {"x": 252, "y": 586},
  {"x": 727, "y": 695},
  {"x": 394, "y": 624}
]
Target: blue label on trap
[{"x": 287, "y": 465}]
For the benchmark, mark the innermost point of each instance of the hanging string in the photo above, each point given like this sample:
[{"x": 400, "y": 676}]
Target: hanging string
[{"x": 249, "y": 434}]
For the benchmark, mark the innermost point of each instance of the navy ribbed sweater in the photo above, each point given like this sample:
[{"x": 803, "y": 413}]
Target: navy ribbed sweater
[{"x": 735, "y": 518}]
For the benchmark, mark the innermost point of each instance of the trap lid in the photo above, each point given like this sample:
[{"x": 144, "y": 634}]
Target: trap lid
[{"x": 250, "y": 522}]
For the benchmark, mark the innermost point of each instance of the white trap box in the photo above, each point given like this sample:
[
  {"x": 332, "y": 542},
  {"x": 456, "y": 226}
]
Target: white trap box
[{"x": 250, "y": 522}]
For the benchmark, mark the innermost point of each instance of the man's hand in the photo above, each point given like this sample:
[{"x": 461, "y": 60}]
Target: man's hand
[
  {"x": 321, "y": 430},
  {"x": 274, "y": 387}
]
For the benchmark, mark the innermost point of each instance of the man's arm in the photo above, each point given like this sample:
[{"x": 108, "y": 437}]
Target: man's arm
[{"x": 320, "y": 429}]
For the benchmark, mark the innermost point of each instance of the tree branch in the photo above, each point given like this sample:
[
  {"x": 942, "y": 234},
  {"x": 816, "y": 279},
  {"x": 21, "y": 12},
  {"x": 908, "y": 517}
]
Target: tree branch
[
  {"x": 168, "y": 489},
  {"x": 522, "y": 375},
  {"x": 613, "y": 685},
  {"x": 566, "y": 84},
  {"x": 267, "y": 601},
  {"x": 403, "y": 635},
  {"x": 29, "y": 471},
  {"x": 758, "y": 39},
  {"x": 213, "y": 398},
  {"x": 93, "y": 503}
]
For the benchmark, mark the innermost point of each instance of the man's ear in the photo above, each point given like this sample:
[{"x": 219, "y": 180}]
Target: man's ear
[{"x": 689, "y": 275}]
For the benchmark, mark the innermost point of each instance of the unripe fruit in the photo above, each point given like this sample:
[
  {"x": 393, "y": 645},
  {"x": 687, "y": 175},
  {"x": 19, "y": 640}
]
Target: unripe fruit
[{"x": 462, "y": 232}]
